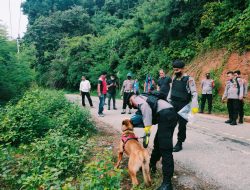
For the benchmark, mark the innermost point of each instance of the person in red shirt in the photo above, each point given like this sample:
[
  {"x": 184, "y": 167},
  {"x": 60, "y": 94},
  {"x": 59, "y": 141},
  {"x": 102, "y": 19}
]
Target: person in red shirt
[{"x": 102, "y": 91}]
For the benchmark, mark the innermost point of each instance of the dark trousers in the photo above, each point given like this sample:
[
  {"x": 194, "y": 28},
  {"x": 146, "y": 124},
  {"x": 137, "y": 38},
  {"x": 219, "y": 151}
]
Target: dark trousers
[
  {"x": 209, "y": 98},
  {"x": 111, "y": 96},
  {"x": 181, "y": 136},
  {"x": 88, "y": 96},
  {"x": 241, "y": 109},
  {"x": 125, "y": 100},
  {"x": 233, "y": 108},
  {"x": 163, "y": 143}
]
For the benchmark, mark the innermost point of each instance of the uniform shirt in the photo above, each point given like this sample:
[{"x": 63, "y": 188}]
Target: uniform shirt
[
  {"x": 164, "y": 84},
  {"x": 85, "y": 86},
  {"x": 232, "y": 91},
  {"x": 146, "y": 109},
  {"x": 207, "y": 86},
  {"x": 191, "y": 88},
  {"x": 127, "y": 86}
]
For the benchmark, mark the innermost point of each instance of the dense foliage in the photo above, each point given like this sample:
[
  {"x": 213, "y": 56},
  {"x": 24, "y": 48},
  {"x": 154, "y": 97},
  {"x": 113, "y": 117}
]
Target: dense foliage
[
  {"x": 16, "y": 75},
  {"x": 121, "y": 36},
  {"x": 43, "y": 141}
]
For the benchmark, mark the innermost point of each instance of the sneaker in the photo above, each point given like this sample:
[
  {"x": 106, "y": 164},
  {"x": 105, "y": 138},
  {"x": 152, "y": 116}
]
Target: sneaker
[
  {"x": 129, "y": 112},
  {"x": 233, "y": 123},
  {"x": 123, "y": 112},
  {"x": 115, "y": 108},
  {"x": 101, "y": 115}
]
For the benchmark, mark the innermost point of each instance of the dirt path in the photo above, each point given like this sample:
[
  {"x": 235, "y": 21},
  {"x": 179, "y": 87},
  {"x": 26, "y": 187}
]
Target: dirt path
[{"x": 215, "y": 155}]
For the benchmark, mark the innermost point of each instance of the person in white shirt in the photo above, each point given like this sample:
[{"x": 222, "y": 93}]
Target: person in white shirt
[{"x": 84, "y": 91}]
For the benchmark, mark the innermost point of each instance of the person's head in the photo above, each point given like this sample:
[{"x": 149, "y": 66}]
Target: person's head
[
  {"x": 83, "y": 78},
  {"x": 112, "y": 77},
  {"x": 237, "y": 73},
  {"x": 129, "y": 76},
  {"x": 230, "y": 75},
  {"x": 130, "y": 101},
  {"x": 161, "y": 73},
  {"x": 178, "y": 67},
  {"x": 208, "y": 75},
  {"x": 104, "y": 74}
]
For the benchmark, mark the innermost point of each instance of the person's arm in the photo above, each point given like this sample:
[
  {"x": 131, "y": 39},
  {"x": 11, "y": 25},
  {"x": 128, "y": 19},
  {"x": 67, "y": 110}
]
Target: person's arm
[
  {"x": 80, "y": 88},
  {"x": 89, "y": 86},
  {"x": 193, "y": 91},
  {"x": 122, "y": 89},
  {"x": 146, "y": 114},
  {"x": 144, "y": 87},
  {"x": 225, "y": 92},
  {"x": 245, "y": 88},
  {"x": 240, "y": 81},
  {"x": 99, "y": 88},
  {"x": 213, "y": 85}
]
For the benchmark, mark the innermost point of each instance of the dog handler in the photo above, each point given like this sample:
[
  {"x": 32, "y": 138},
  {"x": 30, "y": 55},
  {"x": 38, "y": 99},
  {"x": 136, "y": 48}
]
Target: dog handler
[{"x": 163, "y": 142}]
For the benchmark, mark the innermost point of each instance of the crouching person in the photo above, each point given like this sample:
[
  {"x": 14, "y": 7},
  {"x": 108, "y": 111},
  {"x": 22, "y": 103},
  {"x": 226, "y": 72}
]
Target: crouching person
[{"x": 163, "y": 114}]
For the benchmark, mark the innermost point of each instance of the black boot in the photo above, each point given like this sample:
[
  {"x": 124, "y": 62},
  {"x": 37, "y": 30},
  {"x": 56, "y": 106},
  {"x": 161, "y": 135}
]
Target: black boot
[
  {"x": 152, "y": 168},
  {"x": 233, "y": 123},
  {"x": 177, "y": 147},
  {"x": 228, "y": 121},
  {"x": 166, "y": 186},
  {"x": 241, "y": 120}
]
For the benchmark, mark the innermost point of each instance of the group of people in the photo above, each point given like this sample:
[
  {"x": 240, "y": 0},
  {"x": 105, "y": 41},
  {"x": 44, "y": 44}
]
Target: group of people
[{"x": 175, "y": 94}]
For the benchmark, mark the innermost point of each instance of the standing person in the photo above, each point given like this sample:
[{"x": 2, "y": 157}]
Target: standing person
[
  {"x": 127, "y": 89},
  {"x": 234, "y": 94},
  {"x": 149, "y": 84},
  {"x": 207, "y": 86},
  {"x": 237, "y": 75},
  {"x": 102, "y": 91},
  {"x": 112, "y": 85},
  {"x": 84, "y": 89},
  {"x": 163, "y": 84},
  {"x": 163, "y": 142},
  {"x": 136, "y": 87},
  {"x": 182, "y": 91}
]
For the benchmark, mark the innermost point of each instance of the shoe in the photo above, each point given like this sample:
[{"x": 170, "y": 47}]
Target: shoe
[
  {"x": 108, "y": 108},
  {"x": 177, "y": 147},
  {"x": 228, "y": 121},
  {"x": 92, "y": 106},
  {"x": 200, "y": 111},
  {"x": 233, "y": 123},
  {"x": 123, "y": 112},
  {"x": 166, "y": 186},
  {"x": 115, "y": 108},
  {"x": 129, "y": 112},
  {"x": 240, "y": 121},
  {"x": 105, "y": 103},
  {"x": 101, "y": 115}
]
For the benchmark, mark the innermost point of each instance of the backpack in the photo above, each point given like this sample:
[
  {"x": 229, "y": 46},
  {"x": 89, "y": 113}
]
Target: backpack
[{"x": 152, "y": 100}]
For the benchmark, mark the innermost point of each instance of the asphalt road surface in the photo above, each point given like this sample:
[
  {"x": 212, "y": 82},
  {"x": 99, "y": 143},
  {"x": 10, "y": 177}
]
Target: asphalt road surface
[{"x": 215, "y": 152}]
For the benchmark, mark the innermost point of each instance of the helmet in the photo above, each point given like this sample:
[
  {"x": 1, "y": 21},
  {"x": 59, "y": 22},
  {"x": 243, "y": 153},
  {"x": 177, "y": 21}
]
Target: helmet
[
  {"x": 129, "y": 74},
  {"x": 137, "y": 120}
]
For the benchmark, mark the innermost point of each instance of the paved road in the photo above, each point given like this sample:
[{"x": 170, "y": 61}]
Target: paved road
[{"x": 214, "y": 151}]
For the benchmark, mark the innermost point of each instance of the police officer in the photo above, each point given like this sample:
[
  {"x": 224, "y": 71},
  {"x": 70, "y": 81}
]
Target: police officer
[
  {"x": 207, "y": 86},
  {"x": 163, "y": 84},
  {"x": 237, "y": 75},
  {"x": 126, "y": 91},
  {"x": 163, "y": 142},
  {"x": 182, "y": 91},
  {"x": 234, "y": 94}
]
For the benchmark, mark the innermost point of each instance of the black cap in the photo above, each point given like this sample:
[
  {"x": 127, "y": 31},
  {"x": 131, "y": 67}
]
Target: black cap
[{"x": 178, "y": 64}]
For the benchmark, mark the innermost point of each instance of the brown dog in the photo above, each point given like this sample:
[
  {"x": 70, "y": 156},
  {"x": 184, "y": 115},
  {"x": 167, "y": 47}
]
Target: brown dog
[{"x": 138, "y": 156}]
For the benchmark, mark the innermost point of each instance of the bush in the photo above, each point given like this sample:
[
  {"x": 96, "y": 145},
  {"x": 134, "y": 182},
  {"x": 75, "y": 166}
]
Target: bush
[
  {"x": 49, "y": 135},
  {"x": 38, "y": 112}
]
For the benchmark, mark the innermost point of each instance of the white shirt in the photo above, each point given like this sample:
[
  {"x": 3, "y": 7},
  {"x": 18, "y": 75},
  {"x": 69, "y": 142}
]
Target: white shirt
[{"x": 85, "y": 86}]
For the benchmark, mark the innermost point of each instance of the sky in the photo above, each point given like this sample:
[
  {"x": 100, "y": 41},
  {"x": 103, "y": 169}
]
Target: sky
[{"x": 13, "y": 28}]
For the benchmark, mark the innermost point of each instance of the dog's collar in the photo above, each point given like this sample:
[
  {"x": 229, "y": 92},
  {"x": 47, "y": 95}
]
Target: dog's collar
[{"x": 127, "y": 130}]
